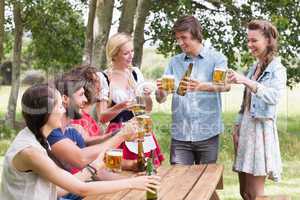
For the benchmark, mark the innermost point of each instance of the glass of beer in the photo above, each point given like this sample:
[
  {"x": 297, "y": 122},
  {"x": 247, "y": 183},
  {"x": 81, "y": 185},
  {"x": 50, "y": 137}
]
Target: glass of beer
[
  {"x": 168, "y": 83},
  {"x": 113, "y": 159},
  {"x": 139, "y": 106},
  {"x": 219, "y": 76},
  {"x": 145, "y": 122}
]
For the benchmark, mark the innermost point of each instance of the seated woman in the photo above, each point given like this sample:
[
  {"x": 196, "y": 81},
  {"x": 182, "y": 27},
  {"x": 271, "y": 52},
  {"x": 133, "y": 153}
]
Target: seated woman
[
  {"x": 29, "y": 173},
  {"x": 119, "y": 84}
]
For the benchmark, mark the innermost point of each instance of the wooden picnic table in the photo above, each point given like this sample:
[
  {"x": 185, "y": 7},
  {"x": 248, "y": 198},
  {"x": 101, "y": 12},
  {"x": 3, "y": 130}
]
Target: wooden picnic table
[{"x": 195, "y": 182}]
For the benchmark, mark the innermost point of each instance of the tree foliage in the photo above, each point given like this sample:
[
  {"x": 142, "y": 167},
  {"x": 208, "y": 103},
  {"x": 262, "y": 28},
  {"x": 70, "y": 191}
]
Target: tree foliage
[
  {"x": 57, "y": 31},
  {"x": 224, "y": 23}
]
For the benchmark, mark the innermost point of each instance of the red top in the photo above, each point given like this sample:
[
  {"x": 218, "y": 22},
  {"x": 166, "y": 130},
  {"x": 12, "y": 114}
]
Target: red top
[{"x": 88, "y": 123}]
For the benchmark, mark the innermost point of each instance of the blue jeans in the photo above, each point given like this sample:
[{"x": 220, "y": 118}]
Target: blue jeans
[
  {"x": 70, "y": 196},
  {"x": 189, "y": 153}
]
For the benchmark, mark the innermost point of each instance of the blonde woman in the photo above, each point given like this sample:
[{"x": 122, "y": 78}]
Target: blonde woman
[{"x": 120, "y": 84}]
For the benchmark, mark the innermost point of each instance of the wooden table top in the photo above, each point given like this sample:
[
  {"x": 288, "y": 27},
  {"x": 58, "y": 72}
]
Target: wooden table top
[{"x": 195, "y": 182}]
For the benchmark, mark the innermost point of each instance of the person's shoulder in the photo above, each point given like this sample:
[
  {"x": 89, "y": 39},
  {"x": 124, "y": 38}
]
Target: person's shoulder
[{"x": 212, "y": 51}]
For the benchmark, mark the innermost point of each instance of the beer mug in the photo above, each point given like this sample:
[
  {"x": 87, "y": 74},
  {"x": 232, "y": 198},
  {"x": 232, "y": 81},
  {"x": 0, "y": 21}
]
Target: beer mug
[
  {"x": 145, "y": 122},
  {"x": 219, "y": 76},
  {"x": 113, "y": 159},
  {"x": 168, "y": 83}
]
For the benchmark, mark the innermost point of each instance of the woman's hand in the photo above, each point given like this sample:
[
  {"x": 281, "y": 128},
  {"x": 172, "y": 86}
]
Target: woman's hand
[
  {"x": 129, "y": 130},
  {"x": 235, "y": 137},
  {"x": 234, "y": 77},
  {"x": 149, "y": 183}
]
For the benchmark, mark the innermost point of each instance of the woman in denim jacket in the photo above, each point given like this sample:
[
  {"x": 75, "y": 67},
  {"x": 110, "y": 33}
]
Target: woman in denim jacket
[{"x": 255, "y": 134}]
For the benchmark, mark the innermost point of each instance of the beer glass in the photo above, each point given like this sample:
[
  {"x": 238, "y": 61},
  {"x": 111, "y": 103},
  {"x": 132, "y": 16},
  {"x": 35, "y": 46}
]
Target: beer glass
[
  {"x": 139, "y": 106},
  {"x": 219, "y": 76},
  {"x": 168, "y": 83},
  {"x": 145, "y": 122},
  {"x": 113, "y": 159}
]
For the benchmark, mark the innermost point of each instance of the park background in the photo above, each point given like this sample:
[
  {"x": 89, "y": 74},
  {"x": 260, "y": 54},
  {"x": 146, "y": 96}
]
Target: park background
[{"x": 42, "y": 38}]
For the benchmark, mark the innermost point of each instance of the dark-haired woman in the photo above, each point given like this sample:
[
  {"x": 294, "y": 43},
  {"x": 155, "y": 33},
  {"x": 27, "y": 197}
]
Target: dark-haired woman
[
  {"x": 28, "y": 172},
  {"x": 255, "y": 133}
]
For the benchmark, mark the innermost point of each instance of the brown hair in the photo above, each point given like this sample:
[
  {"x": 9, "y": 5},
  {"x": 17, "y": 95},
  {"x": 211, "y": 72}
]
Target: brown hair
[
  {"x": 37, "y": 103},
  {"x": 189, "y": 24},
  {"x": 88, "y": 73},
  {"x": 270, "y": 32}
]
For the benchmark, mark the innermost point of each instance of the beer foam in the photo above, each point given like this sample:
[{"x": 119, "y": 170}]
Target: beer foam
[
  {"x": 115, "y": 152},
  {"x": 143, "y": 117},
  {"x": 219, "y": 69},
  {"x": 168, "y": 76}
]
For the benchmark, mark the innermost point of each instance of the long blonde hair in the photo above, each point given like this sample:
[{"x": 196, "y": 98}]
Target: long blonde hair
[{"x": 114, "y": 44}]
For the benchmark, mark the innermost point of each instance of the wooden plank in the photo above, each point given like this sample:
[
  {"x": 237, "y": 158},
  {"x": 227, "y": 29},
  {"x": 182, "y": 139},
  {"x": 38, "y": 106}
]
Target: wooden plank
[
  {"x": 136, "y": 194},
  {"x": 206, "y": 185},
  {"x": 112, "y": 196},
  {"x": 215, "y": 196},
  {"x": 185, "y": 183}
]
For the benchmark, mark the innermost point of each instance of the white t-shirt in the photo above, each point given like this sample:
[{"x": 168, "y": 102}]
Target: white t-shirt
[{"x": 18, "y": 185}]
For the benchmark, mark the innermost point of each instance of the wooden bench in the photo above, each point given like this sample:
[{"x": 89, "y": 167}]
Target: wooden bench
[
  {"x": 196, "y": 182},
  {"x": 277, "y": 197}
]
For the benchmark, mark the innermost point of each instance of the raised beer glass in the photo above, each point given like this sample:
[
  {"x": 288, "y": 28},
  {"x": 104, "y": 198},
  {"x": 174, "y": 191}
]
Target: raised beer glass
[
  {"x": 113, "y": 159},
  {"x": 219, "y": 76},
  {"x": 168, "y": 83}
]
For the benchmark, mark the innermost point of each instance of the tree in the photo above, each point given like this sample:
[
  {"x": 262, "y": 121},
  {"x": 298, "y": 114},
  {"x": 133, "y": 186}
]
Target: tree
[
  {"x": 57, "y": 33},
  {"x": 126, "y": 21},
  {"x": 11, "y": 108},
  {"x": 139, "y": 40},
  {"x": 2, "y": 10},
  {"x": 88, "y": 44},
  {"x": 224, "y": 23},
  {"x": 103, "y": 19}
]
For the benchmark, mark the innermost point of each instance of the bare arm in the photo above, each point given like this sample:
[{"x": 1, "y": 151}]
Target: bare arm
[
  {"x": 106, "y": 114},
  {"x": 195, "y": 85},
  {"x": 33, "y": 159}
]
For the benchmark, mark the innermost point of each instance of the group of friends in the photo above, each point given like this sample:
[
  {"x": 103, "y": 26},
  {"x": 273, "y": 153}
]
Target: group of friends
[{"x": 60, "y": 152}]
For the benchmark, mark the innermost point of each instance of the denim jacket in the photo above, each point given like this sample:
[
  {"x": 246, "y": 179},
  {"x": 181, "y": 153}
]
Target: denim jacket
[{"x": 270, "y": 87}]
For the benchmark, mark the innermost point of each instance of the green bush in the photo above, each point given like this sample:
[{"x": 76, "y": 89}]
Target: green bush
[
  {"x": 6, "y": 136},
  {"x": 153, "y": 73}
]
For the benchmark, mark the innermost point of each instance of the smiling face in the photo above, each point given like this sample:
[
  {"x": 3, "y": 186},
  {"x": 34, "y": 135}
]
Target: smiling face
[
  {"x": 125, "y": 55},
  {"x": 187, "y": 43},
  {"x": 257, "y": 43},
  {"x": 75, "y": 104}
]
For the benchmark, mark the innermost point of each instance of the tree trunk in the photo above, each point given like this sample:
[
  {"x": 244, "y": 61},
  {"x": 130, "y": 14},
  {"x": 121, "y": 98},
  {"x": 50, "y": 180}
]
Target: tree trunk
[
  {"x": 12, "y": 103},
  {"x": 1, "y": 29},
  {"x": 127, "y": 17},
  {"x": 88, "y": 45},
  {"x": 138, "y": 41},
  {"x": 103, "y": 19}
]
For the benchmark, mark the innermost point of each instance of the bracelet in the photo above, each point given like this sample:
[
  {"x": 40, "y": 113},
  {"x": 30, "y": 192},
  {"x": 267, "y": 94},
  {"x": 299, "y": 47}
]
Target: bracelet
[{"x": 93, "y": 171}]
